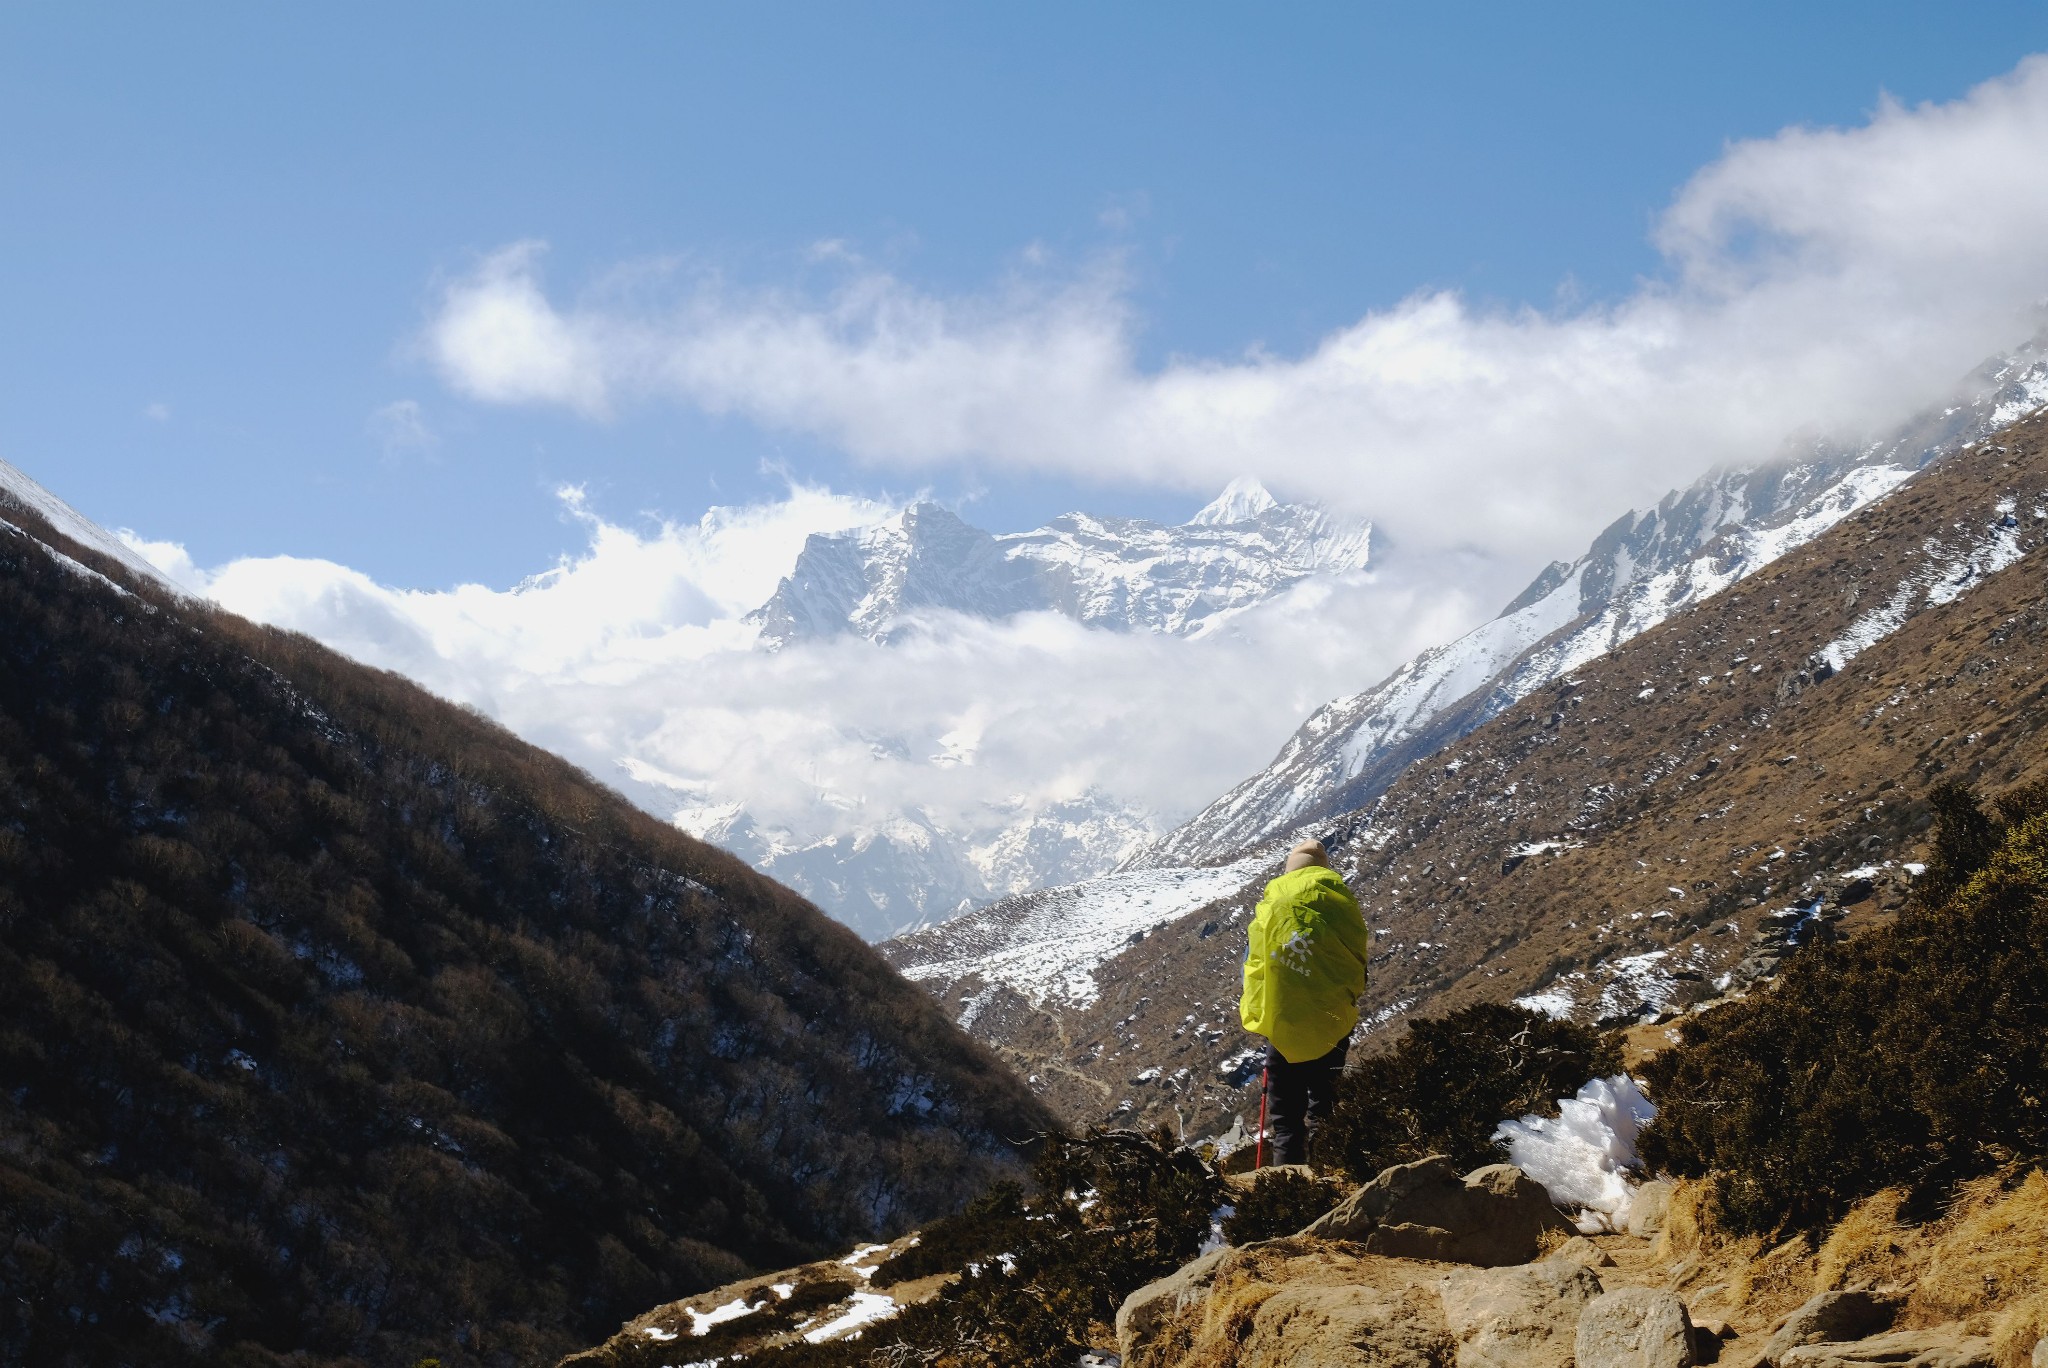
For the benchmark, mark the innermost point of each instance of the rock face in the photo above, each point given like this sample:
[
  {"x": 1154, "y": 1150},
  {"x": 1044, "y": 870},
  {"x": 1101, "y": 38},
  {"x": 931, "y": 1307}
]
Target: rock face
[
  {"x": 1341, "y": 1327},
  {"x": 1303, "y": 1303},
  {"x": 1944, "y": 1348},
  {"x": 1523, "y": 1317},
  {"x": 1138, "y": 1320},
  {"x": 1635, "y": 1327},
  {"x": 1492, "y": 1216},
  {"x": 1829, "y": 1317}
]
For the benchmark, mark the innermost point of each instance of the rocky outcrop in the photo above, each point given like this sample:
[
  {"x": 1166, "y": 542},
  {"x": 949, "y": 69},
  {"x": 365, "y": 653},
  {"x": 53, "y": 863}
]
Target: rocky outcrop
[
  {"x": 1648, "y": 1208},
  {"x": 1523, "y": 1317},
  {"x": 1828, "y": 1317},
  {"x": 1152, "y": 1305},
  {"x": 1636, "y": 1327},
  {"x": 1942, "y": 1348},
  {"x": 1492, "y": 1216},
  {"x": 1339, "y": 1327}
]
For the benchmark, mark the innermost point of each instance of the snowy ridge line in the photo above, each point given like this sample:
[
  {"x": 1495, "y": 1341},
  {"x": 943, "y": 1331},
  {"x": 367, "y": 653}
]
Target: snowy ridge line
[
  {"x": 18, "y": 486},
  {"x": 1493, "y": 667},
  {"x": 1126, "y": 574},
  {"x": 1642, "y": 570}
]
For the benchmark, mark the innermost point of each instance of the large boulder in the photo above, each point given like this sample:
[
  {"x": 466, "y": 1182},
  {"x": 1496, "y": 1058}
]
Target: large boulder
[
  {"x": 1942, "y": 1348},
  {"x": 1524, "y": 1317},
  {"x": 1830, "y": 1317},
  {"x": 1648, "y": 1208},
  {"x": 1152, "y": 1305},
  {"x": 1493, "y": 1216},
  {"x": 1635, "y": 1327},
  {"x": 1348, "y": 1327}
]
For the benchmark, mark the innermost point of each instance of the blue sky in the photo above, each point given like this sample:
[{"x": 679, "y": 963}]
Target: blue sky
[{"x": 227, "y": 230}]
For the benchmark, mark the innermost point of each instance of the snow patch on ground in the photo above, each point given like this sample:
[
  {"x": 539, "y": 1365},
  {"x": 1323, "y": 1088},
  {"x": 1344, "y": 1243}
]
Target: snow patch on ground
[
  {"x": 702, "y": 1321},
  {"x": 1048, "y": 945},
  {"x": 1553, "y": 1004},
  {"x": 1951, "y": 570},
  {"x": 863, "y": 1308}
]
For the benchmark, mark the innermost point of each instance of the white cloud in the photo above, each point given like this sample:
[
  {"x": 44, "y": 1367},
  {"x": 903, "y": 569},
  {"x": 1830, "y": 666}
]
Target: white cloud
[
  {"x": 1830, "y": 279},
  {"x": 632, "y": 659},
  {"x": 157, "y": 411}
]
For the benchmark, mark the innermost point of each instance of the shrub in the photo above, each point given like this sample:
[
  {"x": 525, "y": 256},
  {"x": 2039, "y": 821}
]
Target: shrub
[
  {"x": 1914, "y": 1056},
  {"x": 1450, "y": 1081},
  {"x": 1114, "y": 1210},
  {"x": 990, "y": 1224},
  {"x": 1281, "y": 1203}
]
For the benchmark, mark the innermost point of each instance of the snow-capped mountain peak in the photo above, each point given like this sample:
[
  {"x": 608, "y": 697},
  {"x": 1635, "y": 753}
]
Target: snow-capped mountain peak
[
  {"x": 1123, "y": 574},
  {"x": 1243, "y": 499}
]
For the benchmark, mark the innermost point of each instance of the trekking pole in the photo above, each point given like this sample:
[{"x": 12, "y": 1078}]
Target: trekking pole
[{"x": 1259, "y": 1148}]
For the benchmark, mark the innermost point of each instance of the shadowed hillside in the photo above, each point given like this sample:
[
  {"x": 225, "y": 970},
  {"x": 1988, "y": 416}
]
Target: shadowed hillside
[{"x": 337, "y": 1023}]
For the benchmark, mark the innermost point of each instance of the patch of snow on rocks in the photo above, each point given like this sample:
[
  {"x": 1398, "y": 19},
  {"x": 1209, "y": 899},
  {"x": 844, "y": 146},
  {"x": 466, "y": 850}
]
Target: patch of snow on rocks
[{"x": 1585, "y": 1155}]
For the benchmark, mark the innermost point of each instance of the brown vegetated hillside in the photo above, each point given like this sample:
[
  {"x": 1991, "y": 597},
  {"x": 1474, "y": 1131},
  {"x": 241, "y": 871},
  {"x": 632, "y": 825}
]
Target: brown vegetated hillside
[
  {"x": 339, "y": 1026},
  {"x": 1619, "y": 839}
]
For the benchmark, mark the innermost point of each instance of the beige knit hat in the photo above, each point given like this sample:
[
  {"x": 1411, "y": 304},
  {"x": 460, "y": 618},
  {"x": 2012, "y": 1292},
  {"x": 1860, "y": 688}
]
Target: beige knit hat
[{"x": 1306, "y": 854}]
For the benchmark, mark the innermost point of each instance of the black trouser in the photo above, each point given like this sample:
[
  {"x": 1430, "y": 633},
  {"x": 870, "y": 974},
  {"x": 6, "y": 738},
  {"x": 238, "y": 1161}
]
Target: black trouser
[{"x": 1299, "y": 1097}]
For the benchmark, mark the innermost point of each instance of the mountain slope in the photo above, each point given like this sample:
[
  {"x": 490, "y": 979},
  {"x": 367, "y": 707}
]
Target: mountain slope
[
  {"x": 1670, "y": 815},
  {"x": 340, "y": 1026},
  {"x": 1645, "y": 567}
]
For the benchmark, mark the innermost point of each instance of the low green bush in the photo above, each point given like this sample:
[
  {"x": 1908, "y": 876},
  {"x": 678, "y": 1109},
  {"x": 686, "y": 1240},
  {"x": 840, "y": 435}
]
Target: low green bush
[
  {"x": 1450, "y": 1081},
  {"x": 1916, "y": 1055},
  {"x": 1281, "y": 1203},
  {"x": 990, "y": 1224}
]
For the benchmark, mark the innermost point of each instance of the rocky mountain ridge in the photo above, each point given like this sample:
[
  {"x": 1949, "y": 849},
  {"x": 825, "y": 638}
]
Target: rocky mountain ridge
[{"x": 1646, "y": 566}]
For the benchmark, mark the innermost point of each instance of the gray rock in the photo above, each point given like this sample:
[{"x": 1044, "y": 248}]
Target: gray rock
[
  {"x": 1828, "y": 1317},
  {"x": 1635, "y": 1327},
  {"x": 1523, "y": 1317},
  {"x": 1579, "y": 1249},
  {"x": 2041, "y": 1354},
  {"x": 1942, "y": 1348},
  {"x": 1649, "y": 1208},
  {"x": 1493, "y": 1216},
  {"x": 1146, "y": 1309}
]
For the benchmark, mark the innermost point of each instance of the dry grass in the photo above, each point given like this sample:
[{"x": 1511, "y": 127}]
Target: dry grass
[
  {"x": 1863, "y": 1252},
  {"x": 1983, "y": 1263}
]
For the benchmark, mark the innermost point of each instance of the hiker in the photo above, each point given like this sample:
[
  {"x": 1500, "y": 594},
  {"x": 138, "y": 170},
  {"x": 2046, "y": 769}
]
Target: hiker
[{"x": 1303, "y": 972}]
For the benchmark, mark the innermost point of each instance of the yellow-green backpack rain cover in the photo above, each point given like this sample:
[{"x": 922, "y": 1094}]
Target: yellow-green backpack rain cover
[{"x": 1306, "y": 964}]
